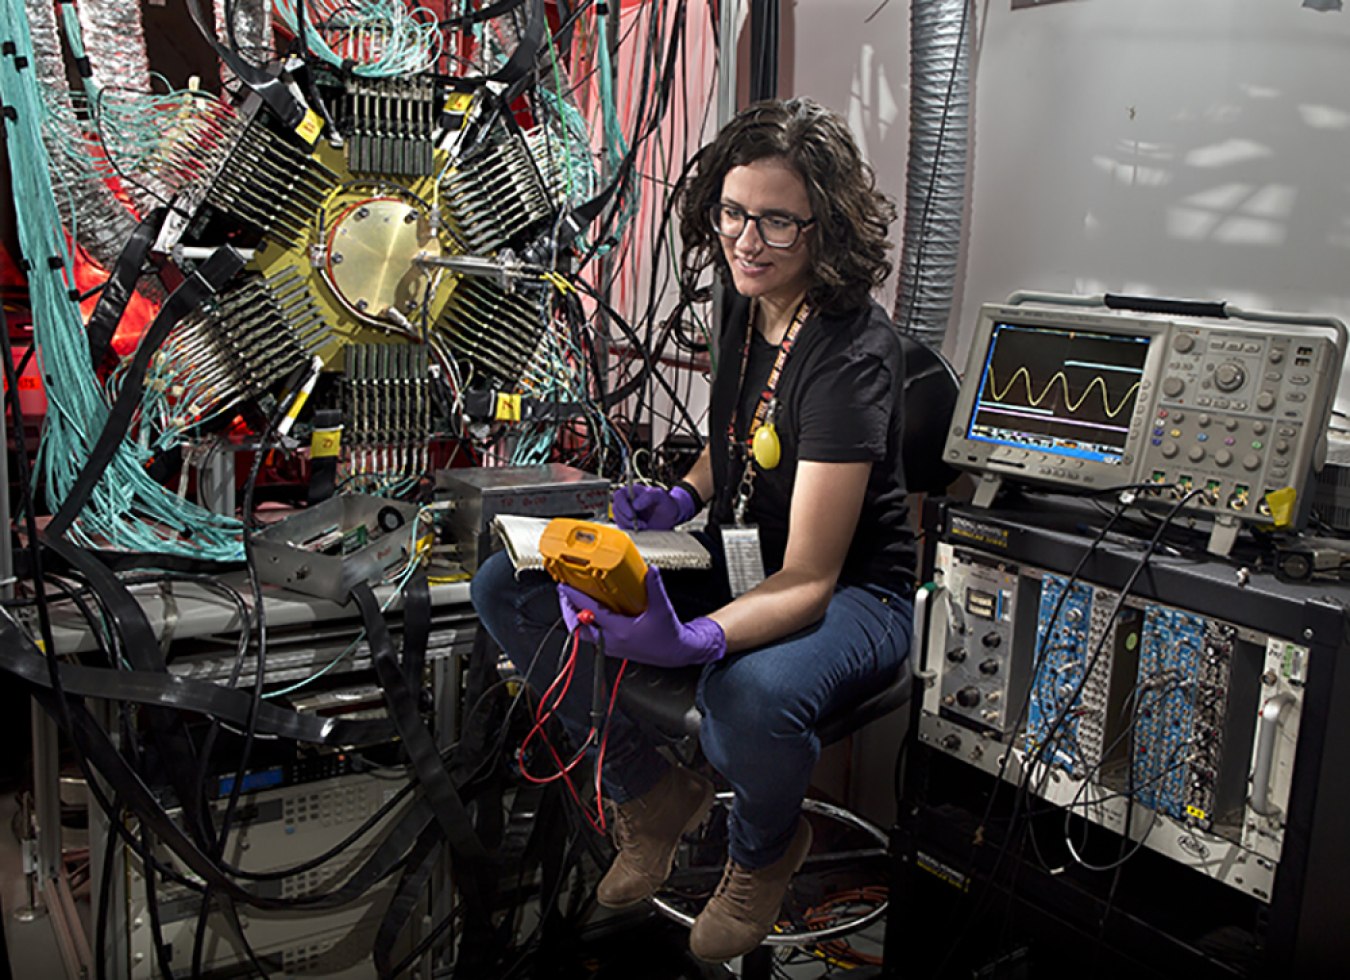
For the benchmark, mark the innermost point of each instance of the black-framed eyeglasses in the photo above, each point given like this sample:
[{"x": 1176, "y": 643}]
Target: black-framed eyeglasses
[{"x": 775, "y": 230}]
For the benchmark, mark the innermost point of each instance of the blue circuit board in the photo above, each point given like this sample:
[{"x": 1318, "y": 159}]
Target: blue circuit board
[
  {"x": 1063, "y": 648},
  {"x": 1184, "y": 666},
  {"x": 1165, "y": 696}
]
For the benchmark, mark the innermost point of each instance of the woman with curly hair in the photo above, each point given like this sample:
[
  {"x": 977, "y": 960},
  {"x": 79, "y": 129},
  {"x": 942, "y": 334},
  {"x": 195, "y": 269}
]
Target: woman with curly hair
[{"x": 802, "y": 475}]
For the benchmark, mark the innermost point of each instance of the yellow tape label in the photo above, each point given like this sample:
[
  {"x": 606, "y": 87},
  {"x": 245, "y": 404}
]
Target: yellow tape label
[
  {"x": 508, "y": 407},
  {"x": 325, "y": 442},
  {"x": 1196, "y": 812},
  {"x": 310, "y": 127},
  {"x": 458, "y": 102}
]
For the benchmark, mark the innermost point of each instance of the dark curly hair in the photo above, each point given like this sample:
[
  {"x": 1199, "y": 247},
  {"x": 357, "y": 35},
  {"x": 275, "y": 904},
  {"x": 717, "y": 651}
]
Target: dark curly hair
[{"x": 849, "y": 244}]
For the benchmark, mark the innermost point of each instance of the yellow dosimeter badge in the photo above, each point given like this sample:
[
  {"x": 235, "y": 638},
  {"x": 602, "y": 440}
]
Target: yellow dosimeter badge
[{"x": 597, "y": 559}]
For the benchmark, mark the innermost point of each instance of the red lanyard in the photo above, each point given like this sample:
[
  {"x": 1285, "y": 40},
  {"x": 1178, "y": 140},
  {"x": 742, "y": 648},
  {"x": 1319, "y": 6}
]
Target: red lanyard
[{"x": 766, "y": 398}]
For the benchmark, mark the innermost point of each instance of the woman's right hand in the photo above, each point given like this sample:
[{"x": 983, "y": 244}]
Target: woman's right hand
[{"x": 640, "y": 508}]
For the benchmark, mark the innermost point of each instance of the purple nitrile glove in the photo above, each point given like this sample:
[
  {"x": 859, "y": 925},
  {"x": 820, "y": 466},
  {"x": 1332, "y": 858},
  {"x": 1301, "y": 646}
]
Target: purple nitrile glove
[
  {"x": 655, "y": 637},
  {"x": 641, "y": 508}
]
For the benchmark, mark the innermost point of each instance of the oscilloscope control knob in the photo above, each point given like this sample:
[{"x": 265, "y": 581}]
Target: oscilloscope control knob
[
  {"x": 1265, "y": 401},
  {"x": 1172, "y": 387},
  {"x": 1183, "y": 343},
  {"x": 1229, "y": 376},
  {"x": 968, "y": 697}
]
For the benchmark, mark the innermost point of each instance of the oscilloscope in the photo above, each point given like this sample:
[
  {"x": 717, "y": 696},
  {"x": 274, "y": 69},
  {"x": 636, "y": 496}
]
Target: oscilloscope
[{"x": 1091, "y": 400}]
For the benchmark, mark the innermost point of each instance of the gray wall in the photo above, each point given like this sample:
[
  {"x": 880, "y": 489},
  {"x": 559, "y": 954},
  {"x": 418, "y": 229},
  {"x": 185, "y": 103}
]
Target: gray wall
[{"x": 1191, "y": 148}]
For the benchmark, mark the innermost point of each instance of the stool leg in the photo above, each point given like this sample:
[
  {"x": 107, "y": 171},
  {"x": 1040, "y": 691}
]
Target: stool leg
[{"x": 757, "y": 964}]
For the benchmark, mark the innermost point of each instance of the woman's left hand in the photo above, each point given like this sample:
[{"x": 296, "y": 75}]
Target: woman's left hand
[{"x": 655, "y": 637}]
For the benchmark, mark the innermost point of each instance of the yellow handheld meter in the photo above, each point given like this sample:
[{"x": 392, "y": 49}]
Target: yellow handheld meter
[{"x": 597, "y": 559}]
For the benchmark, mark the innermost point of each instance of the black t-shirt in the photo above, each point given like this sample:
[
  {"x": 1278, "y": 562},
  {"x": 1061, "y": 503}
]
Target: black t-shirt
[{"x": 839, "y": 401}]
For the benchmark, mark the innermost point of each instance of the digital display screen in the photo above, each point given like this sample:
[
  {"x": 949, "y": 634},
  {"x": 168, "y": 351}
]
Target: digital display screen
[{"x": 1058, "y": 390}]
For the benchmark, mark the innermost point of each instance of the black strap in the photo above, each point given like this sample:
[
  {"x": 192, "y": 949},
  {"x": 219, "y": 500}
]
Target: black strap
[
  {"x": 290, "y": 110},
  {"x": 20, "y": 656},
  {"x": 416, "y": 630},
  {"x": 120, "y": 285},
  {"x": 140, "y": 645},
  {"x": 417, "y": 741},
  {"x": 479, "y": 16},
  {"x": 416, "y": 873},
  {"x": 208, "y": 278},
  {"x": 517, "y": 67}
]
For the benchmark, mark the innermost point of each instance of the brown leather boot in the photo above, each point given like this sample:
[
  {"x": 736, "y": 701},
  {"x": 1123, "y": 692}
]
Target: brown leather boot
[
  {"x": 647, "y": 831},
  {"x": 746, "y": 904}
]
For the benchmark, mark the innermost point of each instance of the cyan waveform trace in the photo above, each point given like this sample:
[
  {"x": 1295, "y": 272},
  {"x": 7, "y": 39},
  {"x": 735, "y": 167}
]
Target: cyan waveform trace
[{"x": 1035, "y": 400}]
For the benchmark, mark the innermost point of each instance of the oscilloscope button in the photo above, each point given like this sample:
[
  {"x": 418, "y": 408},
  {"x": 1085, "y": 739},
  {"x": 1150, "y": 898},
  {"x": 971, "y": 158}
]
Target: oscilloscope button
[
  {"x": 1231, "y": 425},
  {"x": 1169, "y": 449},
  {"x": 1276, "y": 356},
  {"x": 1196, "y": 454},
  {"x": 1183, "y": 343},
  {"x": 1251, "y": 461},
  {"x": 1172, "y": 387},
  {"x": 1223, "y": 457},
  {"x": 1203, "y": 420}
]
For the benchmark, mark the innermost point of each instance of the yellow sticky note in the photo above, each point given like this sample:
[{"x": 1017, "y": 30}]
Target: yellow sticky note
[
  {"x": 508, "y": 407},
  {"x": 325, "y": 442},
  {"x": 310, "y": 127}
]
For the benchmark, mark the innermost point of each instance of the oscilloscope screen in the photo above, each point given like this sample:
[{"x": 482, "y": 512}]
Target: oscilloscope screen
[{"x": 1056, "y": 390}]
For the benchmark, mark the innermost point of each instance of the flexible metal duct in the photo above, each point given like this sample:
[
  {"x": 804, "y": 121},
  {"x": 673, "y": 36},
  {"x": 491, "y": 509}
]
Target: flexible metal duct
[
  {"x": 252, "y": 33},
  {"x": 939, "y": 141},
  {"x": 114, "y": 41},
  {"x": 102, "y": 224}
]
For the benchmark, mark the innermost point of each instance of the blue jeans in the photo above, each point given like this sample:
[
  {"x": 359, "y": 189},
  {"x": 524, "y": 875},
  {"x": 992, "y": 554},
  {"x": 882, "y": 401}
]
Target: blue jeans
[{"x": 760, "y": 707}]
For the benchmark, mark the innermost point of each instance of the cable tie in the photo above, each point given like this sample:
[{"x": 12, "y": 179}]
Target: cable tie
[
  {"x": 8, "y": 48},
  {"x": 74, "y": 295},
  {"x": 55, "y": 262},
  {"x": 83, "y": 66},
  {"x": 11, "y": 113}
]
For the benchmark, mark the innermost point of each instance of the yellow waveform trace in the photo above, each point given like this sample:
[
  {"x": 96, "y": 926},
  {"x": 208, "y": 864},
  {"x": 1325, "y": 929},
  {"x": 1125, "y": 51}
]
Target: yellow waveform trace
[{"x": 1035, "y": 400}]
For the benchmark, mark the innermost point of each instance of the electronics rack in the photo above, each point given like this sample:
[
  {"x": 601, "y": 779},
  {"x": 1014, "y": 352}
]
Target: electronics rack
[
  {"x": 200, "y": 631},
  {"x": 278, "y": 828},
  {"x": 1235, "y": 764}
]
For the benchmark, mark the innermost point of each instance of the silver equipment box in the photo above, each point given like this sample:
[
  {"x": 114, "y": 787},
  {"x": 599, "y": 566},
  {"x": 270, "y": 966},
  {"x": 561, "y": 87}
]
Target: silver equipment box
[{"x": 481, "y": 493}]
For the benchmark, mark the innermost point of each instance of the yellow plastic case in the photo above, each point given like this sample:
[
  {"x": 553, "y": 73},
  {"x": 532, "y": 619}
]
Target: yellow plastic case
[{"x": 597, "y": 559}]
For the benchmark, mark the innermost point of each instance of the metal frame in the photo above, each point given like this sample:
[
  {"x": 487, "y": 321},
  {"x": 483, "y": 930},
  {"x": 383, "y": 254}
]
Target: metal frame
[{"x": 810, "y": 937}]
